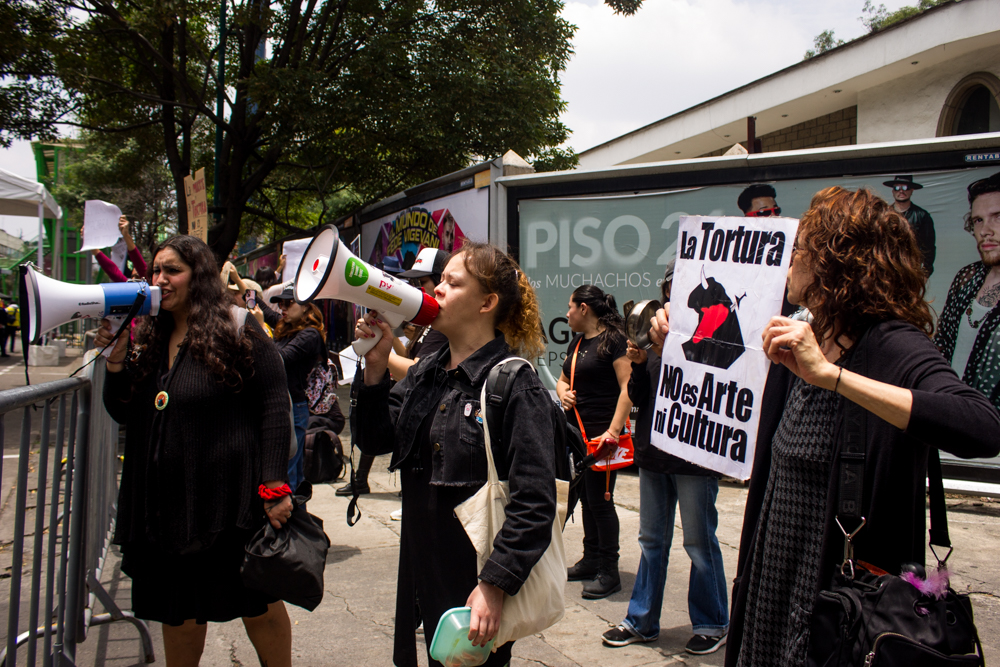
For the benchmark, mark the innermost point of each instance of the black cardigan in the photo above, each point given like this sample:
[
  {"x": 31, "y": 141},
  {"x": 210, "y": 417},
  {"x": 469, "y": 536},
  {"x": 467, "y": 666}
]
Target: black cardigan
[
  {"x": 301, "y": 352},
  {"x": 217, "y": 446},
  {"x": 946, "y": 413}
]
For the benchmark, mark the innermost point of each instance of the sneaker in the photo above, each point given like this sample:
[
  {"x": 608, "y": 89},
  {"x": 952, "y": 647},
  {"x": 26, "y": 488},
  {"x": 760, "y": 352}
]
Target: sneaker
[
  {"x": 397, "y": 515},
  {"x": 622, "y": 636},
  {"x": 703, "y": 645}
]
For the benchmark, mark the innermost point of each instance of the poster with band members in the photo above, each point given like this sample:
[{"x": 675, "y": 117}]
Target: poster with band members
[{"x": 728, "y": 282}]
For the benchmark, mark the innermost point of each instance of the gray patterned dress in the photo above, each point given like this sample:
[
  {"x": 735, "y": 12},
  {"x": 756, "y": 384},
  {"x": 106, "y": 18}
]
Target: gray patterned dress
[{"x": 789, "y": 537}]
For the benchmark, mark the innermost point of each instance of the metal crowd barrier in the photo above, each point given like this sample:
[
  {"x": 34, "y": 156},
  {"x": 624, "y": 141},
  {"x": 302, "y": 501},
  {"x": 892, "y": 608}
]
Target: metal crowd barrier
[{"x": 72, "y": 529}]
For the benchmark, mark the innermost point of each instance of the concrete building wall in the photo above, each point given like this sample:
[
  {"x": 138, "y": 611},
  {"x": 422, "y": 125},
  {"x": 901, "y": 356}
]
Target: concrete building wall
[
  {"x": 839, "y": 128},
  {"x": 909, "y": 107}
]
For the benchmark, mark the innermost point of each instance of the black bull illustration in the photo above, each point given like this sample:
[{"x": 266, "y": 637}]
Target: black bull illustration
[{"x": 718, "y": 340}]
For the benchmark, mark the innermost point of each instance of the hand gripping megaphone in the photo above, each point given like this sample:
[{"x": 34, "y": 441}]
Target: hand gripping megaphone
[
  {"x": 329, "y": 270},
  {"x": 47, "y": 303}
]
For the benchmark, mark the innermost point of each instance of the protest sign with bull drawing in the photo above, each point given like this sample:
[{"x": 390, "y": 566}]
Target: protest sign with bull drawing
[{"x": 729, "y": 281}]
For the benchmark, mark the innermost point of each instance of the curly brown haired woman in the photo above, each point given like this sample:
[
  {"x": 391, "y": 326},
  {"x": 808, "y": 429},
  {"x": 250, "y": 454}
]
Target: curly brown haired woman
[
  {"x": 206, "y": 415},
  {"x": 857, "y": 268}
]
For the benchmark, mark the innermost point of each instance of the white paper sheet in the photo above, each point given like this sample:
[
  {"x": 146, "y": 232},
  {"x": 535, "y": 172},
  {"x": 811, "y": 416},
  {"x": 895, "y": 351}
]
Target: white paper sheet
[
  {"x": 349, "y": 360},
  {"x": 293, "y": 251},
  {"x": 100, "y": 224}
]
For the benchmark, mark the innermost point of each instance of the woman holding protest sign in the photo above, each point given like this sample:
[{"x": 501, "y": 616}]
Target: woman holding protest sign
[
  {"x": 858, "y": 270},
  {"x": 593, "y": 389},
  {"x": 432, "y": 422}
]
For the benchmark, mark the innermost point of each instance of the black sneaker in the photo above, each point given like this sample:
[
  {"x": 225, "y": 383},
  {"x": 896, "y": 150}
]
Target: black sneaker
[
  {"x": 622, "y": 636},
  {"x": 702, "y": 645}
]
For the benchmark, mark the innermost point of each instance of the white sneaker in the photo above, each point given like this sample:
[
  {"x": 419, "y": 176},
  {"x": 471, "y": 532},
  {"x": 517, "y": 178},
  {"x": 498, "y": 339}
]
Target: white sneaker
[{"x": 397, "y": 515}]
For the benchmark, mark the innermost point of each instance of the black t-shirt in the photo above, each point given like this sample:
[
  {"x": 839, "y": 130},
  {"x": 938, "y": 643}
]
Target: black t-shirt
[
  {"x": 428, "y": 342},
  {"x": 595, "y": 382}
]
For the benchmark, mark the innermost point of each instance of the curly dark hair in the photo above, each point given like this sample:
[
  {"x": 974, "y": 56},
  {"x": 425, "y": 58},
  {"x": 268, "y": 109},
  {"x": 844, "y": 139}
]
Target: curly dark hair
[
  {"x": 866, "y": 265},
  {"x": 605, "y": 308},
  {"x": 212, "y": 337}
]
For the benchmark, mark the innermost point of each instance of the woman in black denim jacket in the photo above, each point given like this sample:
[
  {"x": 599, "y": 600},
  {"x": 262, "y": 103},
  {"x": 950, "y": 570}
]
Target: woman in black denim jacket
[{"x": 433, "y": 427}]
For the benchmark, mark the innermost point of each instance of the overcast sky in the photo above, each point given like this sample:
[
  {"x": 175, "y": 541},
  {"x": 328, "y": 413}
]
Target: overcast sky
[{"x": 628, "y": 71}]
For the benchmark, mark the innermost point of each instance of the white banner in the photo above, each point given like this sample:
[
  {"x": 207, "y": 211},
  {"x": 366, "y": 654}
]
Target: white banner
[{"x": 728, "y": 282}]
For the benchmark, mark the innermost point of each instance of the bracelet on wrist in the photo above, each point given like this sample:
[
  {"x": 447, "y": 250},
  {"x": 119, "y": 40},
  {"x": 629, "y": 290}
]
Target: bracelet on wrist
[{"x": 274, "y": 494}]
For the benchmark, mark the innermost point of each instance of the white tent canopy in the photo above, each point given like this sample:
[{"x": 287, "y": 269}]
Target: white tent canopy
[{"x": 19, "y": 196}]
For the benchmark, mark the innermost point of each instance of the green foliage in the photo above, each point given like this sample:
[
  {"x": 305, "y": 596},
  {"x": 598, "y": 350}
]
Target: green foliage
[
  {"x": 30, "y": 99},
  {"x": 555, "y": 159},
  {"x": 879, "y": 18},
  {"x": 356, "y": 100},
  {"x": 821, "y": 43},
  {"x": 626, "y": 7}
]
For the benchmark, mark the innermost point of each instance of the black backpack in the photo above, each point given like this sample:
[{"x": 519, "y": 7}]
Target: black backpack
[
  {"x": 570, "y": 449},
  {"x": 324, "y": 456}
]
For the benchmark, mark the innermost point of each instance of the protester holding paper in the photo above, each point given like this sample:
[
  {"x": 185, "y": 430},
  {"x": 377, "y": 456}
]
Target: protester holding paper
[
  {"x": 593, "y": 389},
  {"x": 138, "y": 263},
  {"x": 431, "y": 421},
  {"x": 857, "y": 268}
]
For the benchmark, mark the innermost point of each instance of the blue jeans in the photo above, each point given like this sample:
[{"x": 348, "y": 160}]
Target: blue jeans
[
  {"x": 707, "y": 602},
  {"x": 296, "y": 464}
]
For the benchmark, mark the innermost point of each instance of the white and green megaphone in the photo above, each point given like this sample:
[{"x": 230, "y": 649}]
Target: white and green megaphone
[{"x": 329, "y": 270}]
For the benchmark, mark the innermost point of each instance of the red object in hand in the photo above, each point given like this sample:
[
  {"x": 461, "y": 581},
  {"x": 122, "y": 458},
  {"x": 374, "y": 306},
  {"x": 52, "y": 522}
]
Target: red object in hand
[
  {"x": 274, "y": 494},
  {"x": 606, "y": 449}
]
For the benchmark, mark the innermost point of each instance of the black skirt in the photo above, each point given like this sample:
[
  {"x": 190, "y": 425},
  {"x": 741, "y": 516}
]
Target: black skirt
[{"x": 205, "y": 586}]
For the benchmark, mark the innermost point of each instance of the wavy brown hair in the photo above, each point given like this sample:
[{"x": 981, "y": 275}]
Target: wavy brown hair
[
  {"x": 866, "y": 265},
  {"x": 212, "y": 336},
  {"x": 313, "y": 317},
  {"x": 518, "y": 316}
]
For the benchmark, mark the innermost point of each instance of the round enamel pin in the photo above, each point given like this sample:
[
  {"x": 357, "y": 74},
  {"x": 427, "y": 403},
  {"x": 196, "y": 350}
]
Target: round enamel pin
[{"x": 161, "y": 400}]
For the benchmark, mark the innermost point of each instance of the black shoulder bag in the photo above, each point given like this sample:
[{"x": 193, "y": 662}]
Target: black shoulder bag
[{"x": 872, "y": 618}]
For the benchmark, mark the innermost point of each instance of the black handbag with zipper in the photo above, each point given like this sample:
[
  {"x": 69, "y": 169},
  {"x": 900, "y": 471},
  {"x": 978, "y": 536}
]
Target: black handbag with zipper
[{"x": 870, "y": 617}]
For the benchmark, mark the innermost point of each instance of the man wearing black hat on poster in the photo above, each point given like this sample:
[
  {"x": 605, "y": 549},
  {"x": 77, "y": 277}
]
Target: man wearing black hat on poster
[{"x": 920, "y": 220}]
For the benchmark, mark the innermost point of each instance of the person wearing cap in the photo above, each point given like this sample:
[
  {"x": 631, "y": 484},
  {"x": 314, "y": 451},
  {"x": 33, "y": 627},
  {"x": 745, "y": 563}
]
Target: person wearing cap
[
  {"x": 299, "y": 336},
  {"x": 758, "y": 201},
  {"x": 920, "y": 220},
  {"x": 426, "y": 269}
]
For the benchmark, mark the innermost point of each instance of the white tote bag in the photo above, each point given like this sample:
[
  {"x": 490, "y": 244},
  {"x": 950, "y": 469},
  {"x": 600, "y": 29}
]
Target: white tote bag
[{"x": 539, "y": 604}]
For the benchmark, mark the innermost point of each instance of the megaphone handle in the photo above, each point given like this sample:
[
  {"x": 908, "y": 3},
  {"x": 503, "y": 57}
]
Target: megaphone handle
[
  {"x": 363, "y": 345},
  {"x": 116, "y": 323}
]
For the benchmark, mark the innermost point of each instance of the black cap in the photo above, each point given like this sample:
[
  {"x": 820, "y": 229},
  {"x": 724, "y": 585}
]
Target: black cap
[{"x": 287, "y": 293}]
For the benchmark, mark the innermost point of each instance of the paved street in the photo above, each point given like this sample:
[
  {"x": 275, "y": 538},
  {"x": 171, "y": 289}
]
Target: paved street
[{"x": 353, "y": 625}]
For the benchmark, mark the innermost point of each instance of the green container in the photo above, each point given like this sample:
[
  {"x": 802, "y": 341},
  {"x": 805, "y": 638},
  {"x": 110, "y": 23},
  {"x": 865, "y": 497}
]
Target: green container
[{"x": 451, "y": 646}]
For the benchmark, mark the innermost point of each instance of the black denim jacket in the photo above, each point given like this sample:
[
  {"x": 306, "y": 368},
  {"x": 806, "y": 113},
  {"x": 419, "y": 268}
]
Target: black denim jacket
[{"x": 388, "y": 420}]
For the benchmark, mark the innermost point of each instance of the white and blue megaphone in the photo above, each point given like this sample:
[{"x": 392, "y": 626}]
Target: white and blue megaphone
[
  {"x": 329, "y": 270},
  {"x": 47, "y": 303}
]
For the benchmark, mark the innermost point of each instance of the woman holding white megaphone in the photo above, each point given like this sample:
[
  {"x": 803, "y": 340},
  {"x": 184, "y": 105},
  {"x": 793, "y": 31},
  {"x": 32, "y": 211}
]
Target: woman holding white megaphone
[
  {"x": 206, "y": 412},
  {"x": 432, "y": 423}
]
